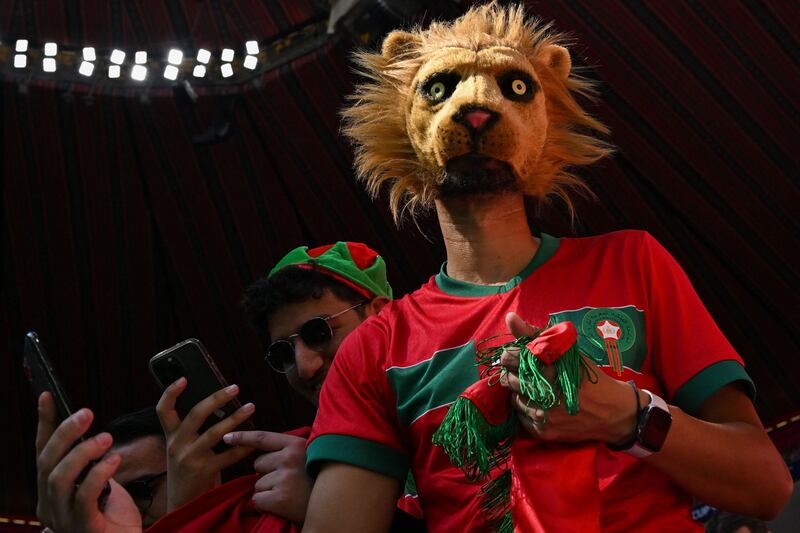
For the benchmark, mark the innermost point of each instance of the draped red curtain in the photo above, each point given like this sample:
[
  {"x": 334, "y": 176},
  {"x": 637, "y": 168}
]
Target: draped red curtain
[{"x": 120, "y": 236}]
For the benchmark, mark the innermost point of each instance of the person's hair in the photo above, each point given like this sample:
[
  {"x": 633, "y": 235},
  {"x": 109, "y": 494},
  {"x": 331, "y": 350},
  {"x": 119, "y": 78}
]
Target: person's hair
[
  {"x": 132, "y": 426},
  {"x": 290, "y": 285},
  {"x": 723, "y": 522}
]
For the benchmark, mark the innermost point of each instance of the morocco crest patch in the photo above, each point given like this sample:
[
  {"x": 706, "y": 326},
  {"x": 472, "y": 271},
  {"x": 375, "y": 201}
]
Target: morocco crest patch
[{"x": 612, "y": 336}]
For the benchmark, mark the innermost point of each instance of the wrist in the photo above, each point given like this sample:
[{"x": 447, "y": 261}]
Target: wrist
[{"x": 622, "y": 432}]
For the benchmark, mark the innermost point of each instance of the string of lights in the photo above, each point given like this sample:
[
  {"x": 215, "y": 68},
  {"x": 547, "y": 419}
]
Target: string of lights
[{"x": 88, "y": 69}]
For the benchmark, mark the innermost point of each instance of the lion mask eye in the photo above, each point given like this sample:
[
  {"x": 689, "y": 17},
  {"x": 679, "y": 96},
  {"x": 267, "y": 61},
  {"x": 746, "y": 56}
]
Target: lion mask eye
[
  {"x": 518, "y": 86},
  {"x": 440, "y": 86},
  {"x": 437, "y": 90}
]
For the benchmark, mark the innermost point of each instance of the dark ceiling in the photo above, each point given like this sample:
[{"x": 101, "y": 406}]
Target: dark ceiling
[{"x": 129, "y": 223}]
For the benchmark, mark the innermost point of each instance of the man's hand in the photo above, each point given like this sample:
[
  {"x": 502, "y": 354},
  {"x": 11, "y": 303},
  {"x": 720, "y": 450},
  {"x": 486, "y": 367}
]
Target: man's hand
[
  {"x": 64, "y": 506},
  {"x": 607, "y": 407},
  {"x": 285, "y": 488},
  {"x": 192, "y": 466}
]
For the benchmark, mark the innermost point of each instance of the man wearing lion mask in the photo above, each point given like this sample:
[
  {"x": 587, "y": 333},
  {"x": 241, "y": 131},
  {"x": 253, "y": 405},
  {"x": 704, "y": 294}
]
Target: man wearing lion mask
[{"x": 627, "y": 405}]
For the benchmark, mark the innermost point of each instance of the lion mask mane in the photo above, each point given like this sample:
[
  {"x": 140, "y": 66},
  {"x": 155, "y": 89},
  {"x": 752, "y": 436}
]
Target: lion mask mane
[{"x": 491, "y": 85}]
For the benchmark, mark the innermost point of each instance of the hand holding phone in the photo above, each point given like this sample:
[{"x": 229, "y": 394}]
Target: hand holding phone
[
  {"x": 42, "y": 377},
  {"x": 62, "y": 504},
  {"x": 196, "y": 409}
]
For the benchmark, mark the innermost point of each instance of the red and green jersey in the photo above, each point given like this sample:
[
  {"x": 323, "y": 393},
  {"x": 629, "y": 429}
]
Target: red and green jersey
[{"x": 395, "y": 377}]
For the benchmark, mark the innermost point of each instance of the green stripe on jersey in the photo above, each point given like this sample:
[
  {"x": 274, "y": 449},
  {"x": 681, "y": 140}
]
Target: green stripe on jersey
[
  {"x": 692, "y": 394},
  {"x": 448, "y": 285},
  {"x": 433, "y": 383},
  {"x": 366, "y": 454}
]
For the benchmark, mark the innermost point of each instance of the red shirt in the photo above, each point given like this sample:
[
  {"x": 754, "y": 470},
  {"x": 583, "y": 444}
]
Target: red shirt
[{"x": 394, "y": 378}]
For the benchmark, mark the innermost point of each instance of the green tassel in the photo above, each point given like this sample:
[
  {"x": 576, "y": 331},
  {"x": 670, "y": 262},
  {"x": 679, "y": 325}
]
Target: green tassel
[
  {"x": 570, "y": 369},
  {"x": 489, "y": 357},
  {"x": 473, "y": 445},
  {"x": 532, "y": 383},
  {"x": 496, "y": 494},
  {"x": 506, "y": 524},
  {"x": 496, "y": 502}
]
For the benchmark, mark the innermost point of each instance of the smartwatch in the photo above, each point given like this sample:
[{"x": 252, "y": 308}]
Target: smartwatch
[{"x": 652, "y": 427}]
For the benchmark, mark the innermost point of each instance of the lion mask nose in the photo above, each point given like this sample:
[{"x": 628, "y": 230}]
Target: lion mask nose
[{"x": 475, "y": 119}]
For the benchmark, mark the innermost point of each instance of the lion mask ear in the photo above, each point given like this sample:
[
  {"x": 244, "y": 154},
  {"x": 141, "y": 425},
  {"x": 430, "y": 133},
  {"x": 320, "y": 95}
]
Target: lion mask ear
[
  {"x": 556, "y": 58},
  {"x": 398, "y": 43}
]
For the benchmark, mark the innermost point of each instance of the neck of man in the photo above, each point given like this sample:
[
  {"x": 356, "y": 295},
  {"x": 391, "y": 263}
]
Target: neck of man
[{"x": 487, "y": 237}]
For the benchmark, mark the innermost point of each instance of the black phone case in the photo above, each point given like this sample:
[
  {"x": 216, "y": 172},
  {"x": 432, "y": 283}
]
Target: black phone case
[
  {"x": 41, "y": 375},
  {"x": 190, "y": 359}
]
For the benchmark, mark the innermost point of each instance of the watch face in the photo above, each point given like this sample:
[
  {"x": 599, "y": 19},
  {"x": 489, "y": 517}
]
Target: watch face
[{"x": 654, "y": 428}]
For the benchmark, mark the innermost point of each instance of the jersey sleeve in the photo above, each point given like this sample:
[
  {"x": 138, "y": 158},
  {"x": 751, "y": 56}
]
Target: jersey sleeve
[
  {"x": 357, "y": 419},
  {"x": 690, "y": 354}
]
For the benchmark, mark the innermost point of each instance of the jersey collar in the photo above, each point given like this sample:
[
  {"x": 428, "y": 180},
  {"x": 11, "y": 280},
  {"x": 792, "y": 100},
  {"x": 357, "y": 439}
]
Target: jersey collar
[{"x": 454, "y": 287}]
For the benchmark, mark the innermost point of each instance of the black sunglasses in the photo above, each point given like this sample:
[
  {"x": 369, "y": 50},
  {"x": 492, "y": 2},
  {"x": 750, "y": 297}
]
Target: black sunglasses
[
  {"x": 316, "y": 334},
  {"x": 142, "y": 489}
]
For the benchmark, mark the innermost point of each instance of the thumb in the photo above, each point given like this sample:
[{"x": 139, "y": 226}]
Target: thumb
[{"x": 518, "y": 327}]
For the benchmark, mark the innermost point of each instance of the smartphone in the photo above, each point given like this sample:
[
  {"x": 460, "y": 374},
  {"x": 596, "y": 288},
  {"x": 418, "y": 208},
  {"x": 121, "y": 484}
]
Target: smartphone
[
  {"x": 191, "y": 360},
  {"x": 42, "y": 377}
]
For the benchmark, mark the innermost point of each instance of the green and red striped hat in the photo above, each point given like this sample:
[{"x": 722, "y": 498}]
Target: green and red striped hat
[{"x": 352, "y": 263}]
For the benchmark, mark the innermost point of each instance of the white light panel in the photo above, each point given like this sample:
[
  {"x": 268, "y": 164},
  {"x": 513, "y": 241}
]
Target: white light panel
[
  {"x": 114, "y": 71},
  {"x": 117, "y": 57},
  {"x": 250, "y": 62},
  {"x": 203, "y": 56},
  {"x": 227, "y": 55},
  {"x": 251, "y": 47},
  {"x": 49, "y": 64},
  {"x": 171, "y": 72},
  {"x": 140, "y": 58},
  {"x": 199, "y": 71},
  {"x": 139, "y": 72},
  {"x": 86, "y": 68},
  {"x": 89, "y": 54},
  {"x": 20, "y": 61},
  {"x": 226, "y": 70},
  {"x": 175, "y": 56},
  {"x": 22, "y": 45},
  {"x": 50, "y": 49}
]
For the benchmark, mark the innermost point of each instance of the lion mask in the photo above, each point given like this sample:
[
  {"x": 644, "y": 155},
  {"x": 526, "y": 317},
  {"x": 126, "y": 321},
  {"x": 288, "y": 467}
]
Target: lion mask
[{"x": 491, "y": 88}]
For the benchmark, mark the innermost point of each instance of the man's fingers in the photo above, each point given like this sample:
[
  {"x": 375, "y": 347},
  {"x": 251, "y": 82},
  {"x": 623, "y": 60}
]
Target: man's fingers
[
  {"x": 47, "y": 420},
  {"x": 518, "y": 327},
  {"x": 267, "y": 500},
  {"x": 510, "y": 381},
  {"x": 266, "y": 463},
  {"x": 265, "y": 482},
  {"x": 510, "y": 358},
  {"x": 203, "y": 409},
  {"x": 266, "y": 441},
  {"x": 165, "y": 409},
  {"x": 92, "y": 486},
  {"x": 62, "y": 440},
  {"x": 213, "y": 435},
  {"x": 61, "y": 480},
  {"x": 231, "y": 457}
]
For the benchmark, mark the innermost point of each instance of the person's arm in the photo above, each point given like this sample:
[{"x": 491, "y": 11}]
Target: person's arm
[
  {"x": 723, "y": 456},
  {"x": 192, "y": 466},
  {"x": 347, "y": 498}
]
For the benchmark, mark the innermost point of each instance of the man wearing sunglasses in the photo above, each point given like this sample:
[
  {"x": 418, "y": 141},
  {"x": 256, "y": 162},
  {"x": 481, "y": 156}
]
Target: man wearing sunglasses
[{"x": 310, "y": 301}]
